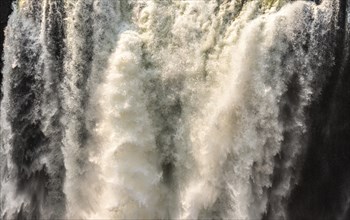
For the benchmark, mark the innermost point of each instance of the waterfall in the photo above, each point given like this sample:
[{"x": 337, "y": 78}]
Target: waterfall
[{"x": 174, "y": 109}]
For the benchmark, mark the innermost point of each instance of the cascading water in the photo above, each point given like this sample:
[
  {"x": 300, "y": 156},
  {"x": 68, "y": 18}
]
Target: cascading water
[{"x": 150, "y": 109}]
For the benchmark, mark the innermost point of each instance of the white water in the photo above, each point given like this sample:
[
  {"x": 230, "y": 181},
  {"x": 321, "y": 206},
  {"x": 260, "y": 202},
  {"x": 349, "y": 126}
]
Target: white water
[{"x": 196, "y": 84}]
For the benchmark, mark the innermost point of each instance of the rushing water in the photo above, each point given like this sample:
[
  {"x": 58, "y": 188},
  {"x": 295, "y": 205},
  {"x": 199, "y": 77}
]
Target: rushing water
[{"x": 159, "y": 109}]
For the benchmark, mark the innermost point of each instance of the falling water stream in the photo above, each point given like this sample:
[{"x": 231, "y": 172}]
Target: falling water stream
[{"x": 162, "y": 109}]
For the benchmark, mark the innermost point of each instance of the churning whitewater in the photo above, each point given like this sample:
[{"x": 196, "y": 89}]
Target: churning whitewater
[{"x": 160, "y": 109}]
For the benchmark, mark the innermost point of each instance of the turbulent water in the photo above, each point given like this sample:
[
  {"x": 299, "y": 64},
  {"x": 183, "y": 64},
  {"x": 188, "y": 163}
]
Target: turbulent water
[{"x": 160, "y": 109}]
